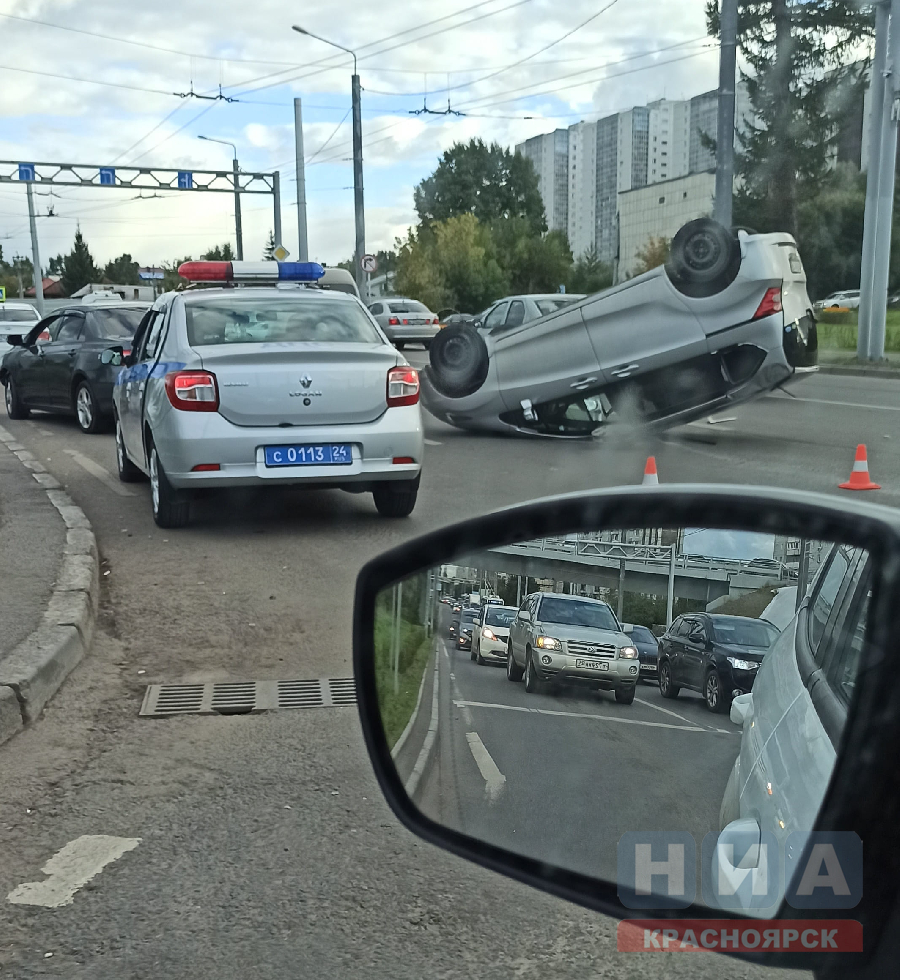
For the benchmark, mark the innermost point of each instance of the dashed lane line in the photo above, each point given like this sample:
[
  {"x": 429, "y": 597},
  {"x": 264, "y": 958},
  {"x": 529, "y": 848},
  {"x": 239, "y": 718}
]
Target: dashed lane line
[
  {"x": 614, "y": 719},
  {"x": 96, "y": 470},
  {"x": 494, "y": 780}
]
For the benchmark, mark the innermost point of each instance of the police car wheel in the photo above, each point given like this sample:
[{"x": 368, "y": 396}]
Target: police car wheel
[
  {"x": 128, "y": 472},
  {"x": 396, "y": 498},
  {"x": 171, "y": 507}
]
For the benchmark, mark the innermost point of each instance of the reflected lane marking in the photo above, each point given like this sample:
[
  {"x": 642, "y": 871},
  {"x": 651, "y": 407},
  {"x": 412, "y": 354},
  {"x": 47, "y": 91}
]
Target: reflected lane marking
[
  {"x": 579, "y": 714},
  {"x": 494, "y": 780},
  {"x": 96, "y": 470},
  {"x": 70, "y": 869}
]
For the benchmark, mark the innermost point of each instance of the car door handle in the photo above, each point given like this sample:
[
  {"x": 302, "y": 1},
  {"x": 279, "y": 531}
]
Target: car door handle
[
  {"x": 582, "y": 383},
  {"x": 624, "y": 371}
]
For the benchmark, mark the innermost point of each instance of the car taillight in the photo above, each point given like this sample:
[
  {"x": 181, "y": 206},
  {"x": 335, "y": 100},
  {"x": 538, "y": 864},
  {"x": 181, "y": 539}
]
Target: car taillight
[
  {"x": 405, "y": 321},
  {"x": 193, "y": 391},
  {"x": 402, "y": 386},
  {"x": 126, "y": 352},
  {"x": 771, "y": 303},
  {"x": 394, "y": 321},
  {"x": 44, "y": 335}
]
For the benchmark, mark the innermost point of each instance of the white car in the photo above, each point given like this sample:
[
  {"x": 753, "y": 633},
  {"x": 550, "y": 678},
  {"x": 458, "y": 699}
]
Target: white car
[
  {"x": 16, "y": 318},
  {"x": 793, "y": 719},
  {"x": 513, "y": 311},
  {"x": 847, "y": 299},
  {"x": 491, "y": 634}
]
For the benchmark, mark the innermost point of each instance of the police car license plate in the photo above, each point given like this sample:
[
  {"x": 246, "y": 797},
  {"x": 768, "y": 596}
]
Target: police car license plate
[
  {"x": 340, "y": 454},
  {"x": 593, "y": 664}
]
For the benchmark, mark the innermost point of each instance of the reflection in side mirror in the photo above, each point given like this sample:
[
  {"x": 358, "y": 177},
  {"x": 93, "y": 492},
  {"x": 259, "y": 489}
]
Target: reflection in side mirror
[
  {"x": 113, "y": 356},
  {"x": 552, "y": 736}
]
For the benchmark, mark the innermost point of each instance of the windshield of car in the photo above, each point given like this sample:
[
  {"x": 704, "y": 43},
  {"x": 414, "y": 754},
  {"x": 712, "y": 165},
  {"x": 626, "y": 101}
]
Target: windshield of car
[
  {"x": 499, "y": 616},
  {"x": 469, "y": 616},
  {"x": 294, "y": 318},
  {"x": 575, "y": 612},
  {"x": 552, "y": 305},
  {"x": 17, "y": 316},
  {"x": 116, "y": 324},
  {"x": 408, "y": 306},
  {"x": 747, "y": 633}
]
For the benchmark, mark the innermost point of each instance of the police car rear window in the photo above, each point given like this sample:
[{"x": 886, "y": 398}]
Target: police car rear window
[{"x": 254, "y": 320}]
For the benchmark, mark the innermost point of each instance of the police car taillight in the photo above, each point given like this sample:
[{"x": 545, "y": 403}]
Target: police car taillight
[
  {"x": 251, "y": 271},
  {"x": 402, "y": 386},
  {"x": 193, "y": 391},
  {"x": 771, "y": 303}
]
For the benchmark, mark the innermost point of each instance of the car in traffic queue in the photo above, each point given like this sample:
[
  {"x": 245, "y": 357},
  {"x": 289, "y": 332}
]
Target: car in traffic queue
[
  {"x": 405, "y": 321},
  {"x": 727, "y": 318},
  {"x": 468, "y": 623},
  {"x": 16, "y": 318},
  {"x": 257, "y": 377},
  {"x": 513, "y": 311},
  {"x": 560, "y": 637},
  {"x": 491, "y": 635},
  {"x": 65, "y": 373},
  {"x": 715, "y": 655},
  {"x": 647, "y": 648}
]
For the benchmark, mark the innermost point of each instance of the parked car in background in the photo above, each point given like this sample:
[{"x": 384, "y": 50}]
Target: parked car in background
[
  {"x": 513, "y": 311},
  {"x": 16, "y": 318},
  {"x": 491, "y": 635},
  {"x": 647, "y": 648},
  {"x": 405, "y": 321},
  {"x": 715, "y": 655},
  {"x": 65, "y": 374},
  {"x": 846, "y": 299}
]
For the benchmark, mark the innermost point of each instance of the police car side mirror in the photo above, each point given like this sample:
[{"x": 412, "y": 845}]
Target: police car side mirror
[{"x": 651, "y": 818}]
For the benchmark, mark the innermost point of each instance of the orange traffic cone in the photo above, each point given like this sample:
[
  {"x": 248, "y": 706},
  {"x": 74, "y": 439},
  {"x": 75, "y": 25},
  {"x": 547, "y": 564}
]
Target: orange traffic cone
[
  {"x": 651, "y": 478},
  {"x": 859, "y": 476}
]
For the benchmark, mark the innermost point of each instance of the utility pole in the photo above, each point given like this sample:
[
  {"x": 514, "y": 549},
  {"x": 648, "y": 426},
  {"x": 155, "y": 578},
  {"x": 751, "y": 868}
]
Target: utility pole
[
  {"x": 358, "y": 180},
  {"x": 276, "y": 193},
  {"x": 238, "y": 230},
  {"x": 876, "y": 99},
  {"x": 725, "y": 124},
  {"x": 35, "y": 253},
  {"x": 303, "y": 252}
]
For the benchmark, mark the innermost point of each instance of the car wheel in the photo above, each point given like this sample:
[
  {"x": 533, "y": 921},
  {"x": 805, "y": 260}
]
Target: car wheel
[
  {"x": 704, "y": 258},
  {"x": 459, "y": 361},
  {"x": 532, "y": 681},
  {"x": 15, "y": 408},
  {"x": 128, "y": 472},
  {"x": 87, "y": 414},
  {"x": 666, "y": 688},
  {"x": 480, "y": 660},
  {"x": 171, "y": 507},
  {"x": 625, "y": 695},
  {"x": 713, "y": 693},
  {"x": 471, "y": 653},
  {"x": 397, "y": 498},
  {"x": 513, "y": 670}
]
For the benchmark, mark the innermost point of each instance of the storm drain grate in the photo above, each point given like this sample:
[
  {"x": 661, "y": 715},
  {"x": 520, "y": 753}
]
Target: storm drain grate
[{"x": 245, "y": 697}]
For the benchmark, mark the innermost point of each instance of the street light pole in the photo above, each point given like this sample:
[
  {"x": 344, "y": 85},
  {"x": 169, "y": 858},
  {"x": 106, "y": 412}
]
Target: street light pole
[
  {"x": 725, "y": 124},
  {"x": 37, "y": 275},
  {"x": 358, "y": 195},
  {"x": 238, "y": 230}
]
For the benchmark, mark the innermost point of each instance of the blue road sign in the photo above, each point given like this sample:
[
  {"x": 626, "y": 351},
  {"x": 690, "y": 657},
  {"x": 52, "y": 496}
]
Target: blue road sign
[
  {"x": 108, "y": 175},
  {"x": 26, "y": 171},
  {"x": 185, "y": 180}
]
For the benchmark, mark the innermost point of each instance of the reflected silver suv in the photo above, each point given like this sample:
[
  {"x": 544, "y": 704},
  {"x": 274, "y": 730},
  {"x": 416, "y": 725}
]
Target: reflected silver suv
[{"x": 571, "y": 638}]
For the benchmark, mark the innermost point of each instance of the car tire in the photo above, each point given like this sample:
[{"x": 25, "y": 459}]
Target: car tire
[
  {"x": 714, "y": 694},
  {"x": 625, "y": 695},
  {"x": 15, "y": 407},
  {"x": 533, "y": 683},
  {"x": 513, "y": 671},
  {"x": 171, "y": 507},
  {"x": 471, "y": 653},
  {"x": 459, "y": 361},
  {"x": 87, "y": 413},
  {"x": 128, "y": 472},
  {"x": 666, "y": 688},
  {"x": 480, "y": 660},
  {"x": 704, "y": 258},
  {"x": 397, "y": 498}
]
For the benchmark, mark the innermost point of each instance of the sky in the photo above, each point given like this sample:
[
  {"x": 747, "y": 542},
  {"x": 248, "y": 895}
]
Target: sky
[{"x": 515, "y": 68}]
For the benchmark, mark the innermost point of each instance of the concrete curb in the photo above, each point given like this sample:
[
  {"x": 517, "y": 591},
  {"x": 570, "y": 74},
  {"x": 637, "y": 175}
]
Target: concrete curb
[
  {"x": 37, "y": 667},
  {"x": 865, "y": 372},
  {"x": 426, "y": 754}
]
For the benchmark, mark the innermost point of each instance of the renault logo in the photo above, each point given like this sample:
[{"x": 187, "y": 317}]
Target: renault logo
[{"x": 306, "y": 381}]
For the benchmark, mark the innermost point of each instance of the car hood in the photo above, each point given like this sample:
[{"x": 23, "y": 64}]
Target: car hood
[
  {"x": 742, "y": 653},
  {"x": 585, "y": 634}
]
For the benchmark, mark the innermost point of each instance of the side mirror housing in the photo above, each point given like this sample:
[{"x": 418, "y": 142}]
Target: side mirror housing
[
  {"x": 113, "y": 355},
  {"x": 524, "y": 615},
  {"x": 15, "y": 340},
  {"x": 741, "y": 708}
]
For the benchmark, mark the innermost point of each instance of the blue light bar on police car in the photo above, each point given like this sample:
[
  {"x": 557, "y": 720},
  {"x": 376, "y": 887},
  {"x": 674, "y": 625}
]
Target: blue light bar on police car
[{"x": 251, "y": 271}]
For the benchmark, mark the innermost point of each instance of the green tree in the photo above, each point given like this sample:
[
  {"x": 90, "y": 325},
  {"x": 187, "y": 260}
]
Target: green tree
[
  {"x": 123, "y": 270},
  {"x": 16, "y": 276},
  {"x": 489, "y": 182},
  {"x": 533, "y": 263},
  {"x": 269, "y": 250},
  {"x": 171, "y": 279},
  {"x": 78, "y": 267},
  {"x": 589, "y": 274},
  {"x": 219, "y": 253},
  {"x": 56, "y": 266},
  {"x": 652, "y": 254}
]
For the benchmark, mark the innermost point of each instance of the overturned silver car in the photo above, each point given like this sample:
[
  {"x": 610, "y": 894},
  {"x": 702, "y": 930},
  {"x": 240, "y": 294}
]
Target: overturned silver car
[{"x": 727, "y": 318}]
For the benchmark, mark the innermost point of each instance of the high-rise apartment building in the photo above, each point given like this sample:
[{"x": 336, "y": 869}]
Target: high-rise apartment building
[
  {"x": 582, "y": 187},
  {"x": 550, "y": 155}
]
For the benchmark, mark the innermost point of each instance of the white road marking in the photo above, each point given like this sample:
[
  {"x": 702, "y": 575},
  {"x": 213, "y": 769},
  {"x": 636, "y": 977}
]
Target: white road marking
[
  {"x": 665, "y": 711},
  {"x": 95, "y": 469},
  {"x": 431, "y": 442},
  {"x": 46, "y": 432},
  {"x": 494, "y": 780},
  {"x": 71, "y": 868},
  {"x": 826, "y": 401},
  {"x": 578, "y": 714}
]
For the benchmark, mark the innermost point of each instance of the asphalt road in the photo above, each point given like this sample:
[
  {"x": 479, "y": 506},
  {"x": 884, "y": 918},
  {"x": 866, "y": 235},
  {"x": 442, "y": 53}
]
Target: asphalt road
[{"x": 265, "y": 848}]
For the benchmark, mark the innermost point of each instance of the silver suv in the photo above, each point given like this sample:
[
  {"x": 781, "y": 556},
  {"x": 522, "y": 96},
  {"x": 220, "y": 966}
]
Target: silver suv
[{"x": 571, "y": 638}]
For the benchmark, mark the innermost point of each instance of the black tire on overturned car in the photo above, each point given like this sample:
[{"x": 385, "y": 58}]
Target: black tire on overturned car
[
  {"x": 704, "y": 258},
  {"x": 459, "y": 360}
]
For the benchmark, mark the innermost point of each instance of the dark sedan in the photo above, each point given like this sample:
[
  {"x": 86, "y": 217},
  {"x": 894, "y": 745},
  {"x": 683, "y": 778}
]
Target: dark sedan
[
  {"x": 466, "y": 625},
  {"x": 718, "y": 656},
  {"x": 65, "y": 374},
  {"x": 647, "y": 648}
]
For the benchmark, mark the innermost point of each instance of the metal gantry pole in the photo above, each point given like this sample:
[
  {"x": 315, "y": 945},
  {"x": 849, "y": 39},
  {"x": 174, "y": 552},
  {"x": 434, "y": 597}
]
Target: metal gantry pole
[
  {"x": 620, "y": 605},
  {"x": 302, "y": 240},
  {"x": 876, "y": 101},
  {"x": 670, "y": 591},
  {"x": 725, "y": 124},
  {"x": 802, "y": 572},
  {"x": 238, "y": 230},
  {"x": 276, "y": 193},
  {"x": 358, "y": 201},
  {"x": 35, "y": 253}
]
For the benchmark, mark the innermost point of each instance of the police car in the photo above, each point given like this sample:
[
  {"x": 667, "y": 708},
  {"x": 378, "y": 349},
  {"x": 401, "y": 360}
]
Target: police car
[{"x": 256, "y": 376}]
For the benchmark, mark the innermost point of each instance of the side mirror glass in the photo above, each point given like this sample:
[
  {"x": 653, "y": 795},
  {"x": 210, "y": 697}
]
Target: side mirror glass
[
  {"x": 467, "y": 748},
  {"x": 113, "y": 356}
]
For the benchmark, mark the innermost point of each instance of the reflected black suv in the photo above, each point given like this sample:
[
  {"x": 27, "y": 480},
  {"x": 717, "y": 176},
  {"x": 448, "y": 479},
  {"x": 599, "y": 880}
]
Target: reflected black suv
[{"x": 716, "y": 655}]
